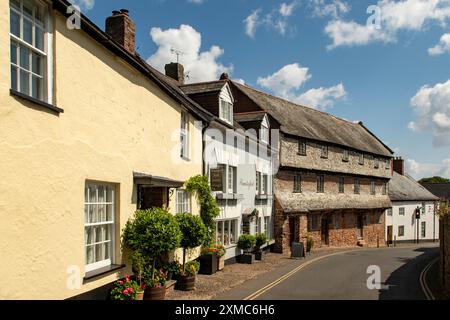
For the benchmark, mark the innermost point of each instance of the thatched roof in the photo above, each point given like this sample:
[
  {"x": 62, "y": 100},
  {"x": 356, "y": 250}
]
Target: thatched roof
[
  {"x": 308, "y": 202},
  {"x": 441, "y": 190},
  {"x": 405, "y": 188},
  {"x": 313, "y": 124}
]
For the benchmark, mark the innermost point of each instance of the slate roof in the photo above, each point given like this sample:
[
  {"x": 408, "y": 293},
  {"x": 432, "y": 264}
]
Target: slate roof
[
  {"x": 313, "y": 124},
  {"x": 250, "y": 116},
  {"x": 441, "y": 190},
  {"x": 405, "y": 188},
  {"x": 203, "y": 87}
]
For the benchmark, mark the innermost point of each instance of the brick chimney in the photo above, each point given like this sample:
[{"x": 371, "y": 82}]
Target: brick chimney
[
  {"x": 399, "y": 165},
  {"x": 224, "y": 76},
  {"x": 122, "y": 29},
  {"x": 175, "y": 71}
]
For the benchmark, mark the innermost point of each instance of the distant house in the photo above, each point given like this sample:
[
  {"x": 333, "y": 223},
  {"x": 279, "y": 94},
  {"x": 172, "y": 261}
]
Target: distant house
[
  {"x": 440, "y": 190},
  {"x": 407, "y": 196}
]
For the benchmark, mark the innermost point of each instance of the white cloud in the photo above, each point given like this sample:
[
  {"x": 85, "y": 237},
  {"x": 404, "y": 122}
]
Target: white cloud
[
  {"x": 239, "y": 80},
  {"x": 277, "y": 19},
  {"x": 421, "y": 170},
  {"x": 287, "y": 81},
  {"x": 286, "y": 10},
  {"x": 284, "y": 81},
  {"x": 252, "y": 22},
  {"x": 201, "y": 66},
  {"x": 396, "y": 16},
  {"x": 442, "y": 47},
  {"x": 345, "y": 33},
  {"x": 322, "y": 98},
  {"x": 333, "y": 8},
  {"x": 84, "y": 5},
  {"x": 432, "y": 110}
]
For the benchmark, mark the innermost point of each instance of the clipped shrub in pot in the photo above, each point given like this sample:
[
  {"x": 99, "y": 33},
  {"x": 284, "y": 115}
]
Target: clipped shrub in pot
[
  {"x": 246, "y": 242},
  {"x": 193, "y": 233},
  {"x": 151, "y": 234},
  {"x": 260, "y": 240}
]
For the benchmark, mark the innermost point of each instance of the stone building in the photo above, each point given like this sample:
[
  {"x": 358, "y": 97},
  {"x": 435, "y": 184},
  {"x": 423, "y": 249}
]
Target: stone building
[{"x": 332, "y": 179}]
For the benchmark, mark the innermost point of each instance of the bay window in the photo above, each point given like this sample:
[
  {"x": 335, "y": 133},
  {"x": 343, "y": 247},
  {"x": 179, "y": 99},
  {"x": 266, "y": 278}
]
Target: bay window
[
  {"x": 99, "y": 225},
  {"x": 226, "y": 232},
  {"x": 29, "y": 47}
]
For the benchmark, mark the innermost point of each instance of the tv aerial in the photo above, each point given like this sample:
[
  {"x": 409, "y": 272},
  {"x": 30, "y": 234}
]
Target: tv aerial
[{"x": 177, "y": 52}]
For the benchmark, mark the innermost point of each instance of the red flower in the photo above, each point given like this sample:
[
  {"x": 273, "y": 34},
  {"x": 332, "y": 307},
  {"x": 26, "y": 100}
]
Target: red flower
[{"x": 125, "y": 292}]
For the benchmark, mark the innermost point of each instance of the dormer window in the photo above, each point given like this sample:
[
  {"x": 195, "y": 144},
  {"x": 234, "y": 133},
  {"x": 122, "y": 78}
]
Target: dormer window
[
  {"x": 264, "y": 133},
  {"x": 226, "y": 111}
]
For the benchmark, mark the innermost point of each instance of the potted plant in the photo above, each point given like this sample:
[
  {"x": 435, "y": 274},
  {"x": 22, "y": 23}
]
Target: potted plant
[
  {"x": 261, "y": 239},
  {"x": 193, "y": 233},
  {"x": 173, "y": 270},
  {"x": 208, "y": 261},
  {"x": 138, "y": 263},
  {"x": 125, "y": 289},
  {"x": 220, "y": 253},
  {"x": 151, "y": 234},
  {"x": 246, "y": 242}
]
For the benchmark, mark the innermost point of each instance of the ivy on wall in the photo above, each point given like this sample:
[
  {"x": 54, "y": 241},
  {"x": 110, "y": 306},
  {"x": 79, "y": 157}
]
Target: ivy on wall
[{"x": 209, "y": 210}]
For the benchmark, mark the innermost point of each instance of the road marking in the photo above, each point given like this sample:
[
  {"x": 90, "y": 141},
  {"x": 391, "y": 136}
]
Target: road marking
[
  {"x": 263, "y": 290},
  {"x": 423, "y": 280}
]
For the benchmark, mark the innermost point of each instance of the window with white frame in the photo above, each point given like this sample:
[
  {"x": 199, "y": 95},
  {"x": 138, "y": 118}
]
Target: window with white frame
[
  {"x": 29, "y": 48},
  {"x": 389, "y": 212},
  {"x": 226, "y": 232},
  {"x": 401, "y": 211},
  {"x": 232, "y": 174},
  {"x": 183, "y": 201},
  {"x": 226, "y": 111},
  {"x": 267, "y": 227},
  {"x": 99, "y": 225},
  {"x": 264, "y": 184},
  {"x": 264, "y": 134},
  {"x": 184, "y": 135},
  {"x": 401, "y": 231}
]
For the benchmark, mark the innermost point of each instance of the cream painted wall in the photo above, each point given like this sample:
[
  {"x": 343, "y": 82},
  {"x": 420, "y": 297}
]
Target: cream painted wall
[{"x": 115, "y": 122}]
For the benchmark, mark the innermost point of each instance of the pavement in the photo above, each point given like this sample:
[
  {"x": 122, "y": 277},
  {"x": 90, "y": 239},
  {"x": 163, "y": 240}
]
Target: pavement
[{"x": 343, "y": 275}]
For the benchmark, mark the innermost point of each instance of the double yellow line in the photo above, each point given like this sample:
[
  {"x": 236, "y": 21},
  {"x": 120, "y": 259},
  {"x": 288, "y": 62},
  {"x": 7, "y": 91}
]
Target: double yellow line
[
  {"x": 263, "y": 290},
  {"x": 423, "y": 280}
]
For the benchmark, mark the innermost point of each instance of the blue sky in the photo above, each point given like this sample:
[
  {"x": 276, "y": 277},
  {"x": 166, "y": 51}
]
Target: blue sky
[{"x": 321, "y": 53}]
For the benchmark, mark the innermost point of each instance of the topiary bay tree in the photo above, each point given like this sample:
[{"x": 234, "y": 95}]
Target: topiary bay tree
[
  {"x": 193, "y": 232},
  {"x": 151, "y": 234}
]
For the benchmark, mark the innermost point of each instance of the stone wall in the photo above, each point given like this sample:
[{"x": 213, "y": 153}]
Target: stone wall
[
  {"x": 289, "y": 157},
  {"x": 285, "y": 181},
  {"x": 444, "y": 264}
]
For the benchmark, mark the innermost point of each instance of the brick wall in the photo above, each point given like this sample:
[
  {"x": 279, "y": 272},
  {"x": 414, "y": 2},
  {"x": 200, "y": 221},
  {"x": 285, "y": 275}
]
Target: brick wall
[{"x": 444, "y": 265}]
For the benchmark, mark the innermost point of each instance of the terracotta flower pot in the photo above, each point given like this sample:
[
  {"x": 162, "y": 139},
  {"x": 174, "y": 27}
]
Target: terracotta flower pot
[{"x": 155, "y": 293}]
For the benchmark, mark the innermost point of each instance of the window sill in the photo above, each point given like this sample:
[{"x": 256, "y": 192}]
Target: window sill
[
  {"x": 103, "y": 271},
  {"x": 225, "y": 196},
  {"x": 262, "y": 197},
  {"x": 301, "y": 154},
  {"x": 185, "y": 158},
  {"x": 36, "y": 101}
]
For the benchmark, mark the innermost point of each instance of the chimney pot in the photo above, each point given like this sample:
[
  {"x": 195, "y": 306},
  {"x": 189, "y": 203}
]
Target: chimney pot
[
  {"x": 224, "y": 76},
  {"x": 175, "y": 71},
  {"x": 122, "y": 29}
]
